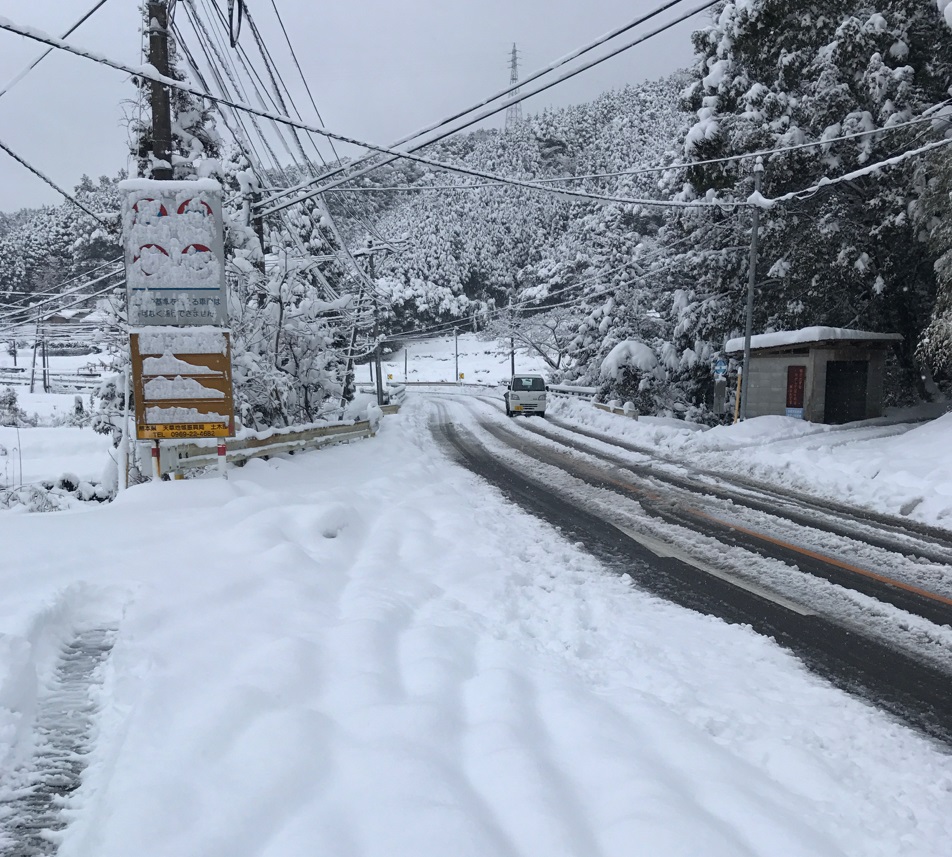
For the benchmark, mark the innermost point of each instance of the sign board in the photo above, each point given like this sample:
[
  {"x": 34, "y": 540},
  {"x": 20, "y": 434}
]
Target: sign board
[
  {"x": 720, "y": 367},
  {"x": 174, "y": 252},
  {"x": 796, "y": 387},
  {"x": 182, "y": 383}
]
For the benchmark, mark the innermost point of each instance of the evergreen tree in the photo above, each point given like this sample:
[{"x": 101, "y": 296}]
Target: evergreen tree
[{"x": 774, "y": 74}]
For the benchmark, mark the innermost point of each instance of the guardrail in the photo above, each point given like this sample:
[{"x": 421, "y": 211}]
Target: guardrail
[
  {"x": 573, "y": 392},
  {"x": 626, "y": 410},
  {"x": 393, "y": 394},
  {"x": 58, "y": 382},
  {"x": 451, "y": 384},
  {"x": 180, "y": 457}
]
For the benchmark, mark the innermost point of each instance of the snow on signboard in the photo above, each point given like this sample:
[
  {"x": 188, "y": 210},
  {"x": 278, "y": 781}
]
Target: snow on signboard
[
  {"x": 174, "y": 252},
  {"x": 182, "y": 382}
]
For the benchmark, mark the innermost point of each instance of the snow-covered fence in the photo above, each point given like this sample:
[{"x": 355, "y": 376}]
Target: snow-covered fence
[
  {"x": 616, "y": 407},
  {"x": 179, "y": 457},
  {"x": 393, "y": 394},
  {"x": 572, "y": 392},
  {"x": 480, "y": 384},
  {"x": 59, "y": 382}
]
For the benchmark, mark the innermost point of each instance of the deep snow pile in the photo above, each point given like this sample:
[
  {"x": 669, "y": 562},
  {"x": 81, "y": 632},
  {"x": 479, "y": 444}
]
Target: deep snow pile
[{"x": 366, "y": 651}]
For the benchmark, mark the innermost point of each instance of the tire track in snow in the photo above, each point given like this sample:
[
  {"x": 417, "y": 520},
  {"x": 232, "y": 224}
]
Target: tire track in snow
[{"x": 33, "y": 816}]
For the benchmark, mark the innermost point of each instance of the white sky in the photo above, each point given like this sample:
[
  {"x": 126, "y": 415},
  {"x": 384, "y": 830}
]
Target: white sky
[{"x": 378, "y": 70}]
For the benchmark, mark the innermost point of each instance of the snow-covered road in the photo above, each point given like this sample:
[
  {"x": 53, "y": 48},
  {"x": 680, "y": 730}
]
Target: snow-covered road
[{"x": 368, "y": 651}]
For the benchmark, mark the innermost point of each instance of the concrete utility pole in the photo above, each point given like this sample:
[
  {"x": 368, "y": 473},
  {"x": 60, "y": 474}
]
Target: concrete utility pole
[
  {"x": 373, "y": 275},
  {"x": 751, "y": 282},
  {"x": 158, "y": 13},
  {"x": 512, "y": 340}
]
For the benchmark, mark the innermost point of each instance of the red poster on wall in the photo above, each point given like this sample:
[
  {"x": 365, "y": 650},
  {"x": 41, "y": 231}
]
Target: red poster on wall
[{"x": 796, "y": 384}]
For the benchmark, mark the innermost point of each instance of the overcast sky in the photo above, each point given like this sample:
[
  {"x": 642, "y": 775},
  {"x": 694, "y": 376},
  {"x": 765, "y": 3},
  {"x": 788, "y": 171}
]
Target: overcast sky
[{"x": 378, "y": 70}]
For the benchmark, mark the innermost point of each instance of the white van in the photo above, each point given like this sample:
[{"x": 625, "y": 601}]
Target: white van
[{"x": 525, "y": 394}]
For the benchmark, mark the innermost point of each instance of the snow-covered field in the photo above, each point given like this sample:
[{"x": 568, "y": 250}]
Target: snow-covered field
[{"x": 344, "y": 653}]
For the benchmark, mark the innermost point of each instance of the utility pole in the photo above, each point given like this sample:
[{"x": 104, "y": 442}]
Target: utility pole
[
  {"x": 512, "y": 339},
  {"x": 751, "y": 282},
  {"x": 456, "y": 349},
  {"x": 376, "y": 332},
  {"x": 158, "y": 13}
]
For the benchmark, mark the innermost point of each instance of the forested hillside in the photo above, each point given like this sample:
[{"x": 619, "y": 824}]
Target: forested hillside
[{"x": 848, "y": 102}]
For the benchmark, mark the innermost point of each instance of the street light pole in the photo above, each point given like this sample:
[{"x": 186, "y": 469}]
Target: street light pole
[{"x": 751, "y": 282}]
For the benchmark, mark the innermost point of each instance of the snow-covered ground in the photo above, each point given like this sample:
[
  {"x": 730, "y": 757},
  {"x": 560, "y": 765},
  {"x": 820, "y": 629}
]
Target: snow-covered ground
[
  {"x": 484, "y": 362},
  {"x": 366, "y": 651},
  {"x": 891, "y": 465}
]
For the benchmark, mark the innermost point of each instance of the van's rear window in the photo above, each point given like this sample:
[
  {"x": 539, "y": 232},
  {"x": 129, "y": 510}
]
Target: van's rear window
[{"x": 532, "y": 385}]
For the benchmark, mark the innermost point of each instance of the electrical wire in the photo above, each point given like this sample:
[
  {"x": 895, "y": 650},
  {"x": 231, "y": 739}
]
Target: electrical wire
[
  {"x": 56, "y": 187},
  {"x": 660, "y": 169},
  {"x": 806, "y": 193},
  {"x": 516, "y": 99},
  {"x": 11, "y": 312},
  {"x": 522, "y": 96},
  {"x": 111, "y": 288},
  {"x": 150, "y": 74},
  {"x": 11, "y": 83}
]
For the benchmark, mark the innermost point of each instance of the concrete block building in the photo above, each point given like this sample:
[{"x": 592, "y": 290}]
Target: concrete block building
[{"x": 819, "y": 374}]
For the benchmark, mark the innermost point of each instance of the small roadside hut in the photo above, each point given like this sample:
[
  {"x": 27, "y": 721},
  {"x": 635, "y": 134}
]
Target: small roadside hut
[{"x": 818, "y": 374}]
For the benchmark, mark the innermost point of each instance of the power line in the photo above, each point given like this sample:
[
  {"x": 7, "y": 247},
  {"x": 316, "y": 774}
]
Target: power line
[
  {"x": 13, "y": 311},
  {"x": 56, "y": 291},
  {"x": 484, "y": 114},
  {"x": 10, "y": 84},
  {"x": 149, "y": 73},
  {"x": 764, "y": 202},
  {"x": 112, "y": 288},
  {"x": 641, "y": 19},
  {"x": 53, "y": 184},
  {"x": 656, "y": 169}
]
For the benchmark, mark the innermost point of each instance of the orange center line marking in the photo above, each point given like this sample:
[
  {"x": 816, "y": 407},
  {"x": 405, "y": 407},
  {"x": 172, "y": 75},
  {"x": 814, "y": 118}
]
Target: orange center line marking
[
  {"x": 908, "y": 587},
  {"x": 829, "y": 560}
]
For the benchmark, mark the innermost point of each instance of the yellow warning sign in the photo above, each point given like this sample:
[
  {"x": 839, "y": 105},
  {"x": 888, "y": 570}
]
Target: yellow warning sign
[{"x": 180, "y": 431}]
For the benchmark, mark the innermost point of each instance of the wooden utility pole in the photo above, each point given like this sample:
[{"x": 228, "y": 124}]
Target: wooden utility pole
[{"x": 158, "y": 13}]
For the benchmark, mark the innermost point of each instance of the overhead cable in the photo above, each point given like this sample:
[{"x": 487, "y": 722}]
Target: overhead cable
[
  {"x": 54, "y": 185},
  {"x": 522, "y": 94},
  {"x": 660, "y": 169},
  {"x": 149, "y": 73},
  {"x": 516, "y": 99},
  {"x": 10, "y": 84}
]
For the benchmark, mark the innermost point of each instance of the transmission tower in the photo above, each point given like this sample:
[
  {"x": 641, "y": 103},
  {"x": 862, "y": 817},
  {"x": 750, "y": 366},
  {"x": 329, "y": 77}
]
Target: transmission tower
[{"x": 514, "y": 112}]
